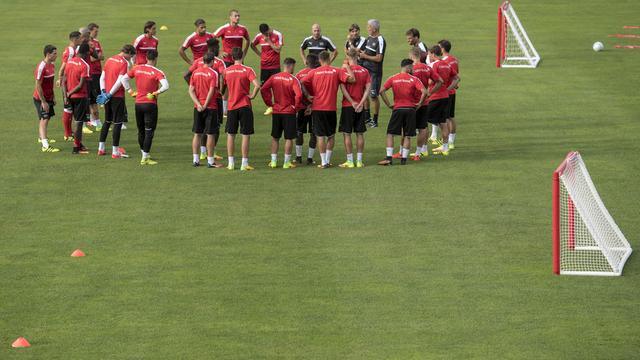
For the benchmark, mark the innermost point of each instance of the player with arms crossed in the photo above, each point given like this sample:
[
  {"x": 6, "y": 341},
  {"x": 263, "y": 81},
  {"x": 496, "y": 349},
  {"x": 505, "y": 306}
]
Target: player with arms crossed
[
  {"x": 43, "y": 96},
  {"x": 372, "y": 58},
  {"x": 150, "y": 82},
  {"x": 282, "y": 91},
  {"x": 445, "y": 45},
  {"x": 304, "y": 113},
  {"x": 68, "y": 54},
  {"x": 316, "y": 43},
  {"x": 203, "y": 87},
  {"x": 75, "y": 92},
  {"x": 270, "y": 42},
  {"x": 238, "y": 79},
  {"x": 405, "y": 89},
  {"x": 352, "y": 117},
  {"x": 146, "y": 42},
  {"x": 197, "y": 42},
  {"x": 323, "y": 83},
  {"x": 112, "y": 97}
]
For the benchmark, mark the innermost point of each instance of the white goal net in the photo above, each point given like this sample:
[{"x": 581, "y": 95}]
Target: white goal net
[{"x": 514, "y": 48}]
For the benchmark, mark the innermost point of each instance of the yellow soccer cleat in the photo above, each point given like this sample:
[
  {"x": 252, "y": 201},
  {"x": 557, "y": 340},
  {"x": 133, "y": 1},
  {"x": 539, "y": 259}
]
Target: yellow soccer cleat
[
  {"x": 451, "y": 146},
  {"x": 246, "y": 168},
  {"x": 347, "y": 165},
  {"x": 49, "y": 149},
  {"x": 289, "y": 165},
  {"x": 273, "y": 164},
  {"x": 203, "y": 156},
  {"x": 231, "y": 167},
  {"x": 217, "y": 157},
  {"x": 269, "y": 111},
  {"x": 51, "y": 141},
  {"x": 68, "y": 138},
  {"x": 148, "y": 161},
  {"x": 359, "y": 164},
  {"x": 435, "y": 141},
  {"x": 86, "y": 130}
]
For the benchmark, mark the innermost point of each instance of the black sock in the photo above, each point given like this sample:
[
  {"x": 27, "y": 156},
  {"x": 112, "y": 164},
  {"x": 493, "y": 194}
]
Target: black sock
[
  {"x": 117, "y": 129},
  {"x": 105, "y": 131},
  {"x": 367, "y": 114},
  {"x": 403, "y": 161},
  {"x": 375, "y": 117}
]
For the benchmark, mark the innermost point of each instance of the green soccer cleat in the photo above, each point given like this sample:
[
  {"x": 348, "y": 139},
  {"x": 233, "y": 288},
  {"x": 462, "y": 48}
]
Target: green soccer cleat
[
  {"x": 289, "y": 165},
  {"x": 148, "y": 161},
  {"x": 246, "y": 168},
  {"x": 359, "y": 164},
  {"x": 451, "y": 146},
  {"x": 51, "y": 141},
  {"x": 434, "y": 141},
  {"x": 203, "y": 156},
  {"x": 86, "y": 130},
  {"x": 49, "y": 149},
  {"x": 231, "y": 167},
  {"x": 347, "y": 165},
  {"x": 273, "y": 164}
]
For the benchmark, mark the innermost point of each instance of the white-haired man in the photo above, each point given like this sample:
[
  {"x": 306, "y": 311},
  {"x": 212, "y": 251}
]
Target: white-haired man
[{"x": 372, "y": 57}]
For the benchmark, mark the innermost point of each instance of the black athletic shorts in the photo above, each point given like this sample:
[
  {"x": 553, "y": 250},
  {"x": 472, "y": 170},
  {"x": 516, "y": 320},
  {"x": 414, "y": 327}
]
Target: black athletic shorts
[
  {"x": 324, "y": 122},
  {"x": 205, "y": 122},
  {"x": 402, "y": 122},
  {"x": 115, "y": 110},
  {"x": 42, "y": 115},
  {"x": 265, "y": 74},
  {"x": 146, "y": 116},
  {"x": 452, "y": 106},
  {"x": 352, "y": 121},
  {"x": 80, "y": 108},
  {"x": 94, "y": 88},
  {"x": 243, "y": 118},
  {"x": 421, "y": 117},
  {"x": 376, "y": 81},
  {"x": 283, "y": 123},
  {"x": 304, "y": 123},
  {"x": 437, "y": 111},
  {"x": 220, "y": 111}
]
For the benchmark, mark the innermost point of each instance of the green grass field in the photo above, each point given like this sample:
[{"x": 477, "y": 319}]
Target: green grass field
[{"x": 443, "y": 259}]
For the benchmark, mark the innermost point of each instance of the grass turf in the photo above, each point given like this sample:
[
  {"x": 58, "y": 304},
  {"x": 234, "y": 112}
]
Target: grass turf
[{"x": 448, "y": 258}]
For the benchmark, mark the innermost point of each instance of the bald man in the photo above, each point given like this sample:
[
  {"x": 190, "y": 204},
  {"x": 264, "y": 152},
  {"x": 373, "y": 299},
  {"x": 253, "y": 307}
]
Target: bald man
[{"x": 316, "y": 43}]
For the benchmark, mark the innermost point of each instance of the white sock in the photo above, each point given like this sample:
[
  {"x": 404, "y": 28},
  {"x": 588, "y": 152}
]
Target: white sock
[
  {"x": 359, "y": 156},
  {"x": 203, "y": 149},
  {"x": 115, "y": 150},
  {"x": 274, "y": 157},
  {"x": 245, "y": 161},
  {"x": 45, "y": 143},
  {"x": 445, "y": 146},
  {"x": 418, "y": 150},
  {"x": 389, "y": 151},
  {"x": 405, "y": 153},
  {"x": 287, "y": 158},
  {"x": 98, "y": 122},
  {"x": 145, "y": 155},
  {"x": 230, "y": 158},
  {"x": 311, "y": 152},
  {"x": 434, "y": 131},
  {"x": 298, "y": 150},
  {"x": 224, "y": 106},
  {"x": 452, "y": 137},
  {"x": 323, "y": 158},
  {"x": 196, "y": 158},
  {"x": 210, "y": 160},
  {"x": 350, "y": 157},
  {"x": 329, "y": 152},
  {"x": 100, "y": 146}
]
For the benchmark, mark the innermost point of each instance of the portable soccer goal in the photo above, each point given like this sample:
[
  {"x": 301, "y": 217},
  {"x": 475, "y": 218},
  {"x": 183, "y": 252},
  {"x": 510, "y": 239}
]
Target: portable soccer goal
[
  {"x": 514, "y": 48},
  {"x": 586, "y": 240}
]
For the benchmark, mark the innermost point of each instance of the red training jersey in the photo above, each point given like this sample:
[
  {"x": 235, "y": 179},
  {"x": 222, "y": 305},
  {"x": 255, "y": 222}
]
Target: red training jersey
[
  {"x": 300, "y": 76},
  {"x": 95, "y": 66},
  {"x": 404, "y": 88},
  {"x": 147, "y": 81},
  {"x": 446, "y": 73},
  {"x": 143, "y": 43},
  {"x": 218, "y": 66},
  {"x": 231, "y": 38},
  {"x": 425, "y": 73},
  {"x": 197, "y": 43},
  {"x": 68, "y": 54},
  {"x": 203, "y": 80},
  {"x": 356, "y": 89},
  {"x": 287, "y": 94},
  {"x": 269, "y": 58},
  {"x": 453, "y": 62},
  {"x": 113, "y": 68},
  {"x": 324, "y": 82},
  {"x": 76, "y": 69},
  {"x": 238, "y": 79},
  {"x": 45, "y": 72}
]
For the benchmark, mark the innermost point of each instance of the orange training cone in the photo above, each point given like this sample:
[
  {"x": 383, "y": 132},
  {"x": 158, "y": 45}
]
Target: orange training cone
[
  {"x": 20, "y": 343},
  {"x": 78, "y": 253}
]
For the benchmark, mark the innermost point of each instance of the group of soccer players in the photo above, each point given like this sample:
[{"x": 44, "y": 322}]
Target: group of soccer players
[{"x": 220, "y": 86}]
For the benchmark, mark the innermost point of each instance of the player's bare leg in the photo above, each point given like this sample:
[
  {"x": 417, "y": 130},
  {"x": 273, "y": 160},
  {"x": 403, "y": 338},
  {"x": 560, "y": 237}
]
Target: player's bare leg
[
  {"x": 444, "y": 149},
  {"x": 359, "y": 149},
  {"x": 275, "y": 144},
  {"x": 195, "y": 147},
  {"x": 322, "y": 147},
  {"x": 376, "y": 110},
  {"x": 246, "y": 139},
  {"x": 331, "y": 141},
  {"x": 389, "y": 158},
  {"x": 211, "y": 150},
  {"x": 230, "y": 149},
  {"x": 348, "y": 149},
  {"x": 288, "y": 147},
  {"x": 451, "y": 122}
]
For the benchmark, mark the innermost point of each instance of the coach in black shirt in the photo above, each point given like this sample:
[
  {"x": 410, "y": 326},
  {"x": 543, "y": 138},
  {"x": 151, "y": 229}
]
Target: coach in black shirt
[
  {"x": 372, "y": 57},
  {"x": 316, "y": 43}
]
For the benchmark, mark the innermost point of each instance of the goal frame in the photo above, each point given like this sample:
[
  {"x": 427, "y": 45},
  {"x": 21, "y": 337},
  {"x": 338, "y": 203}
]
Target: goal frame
[{"x": 507, "y": 18}]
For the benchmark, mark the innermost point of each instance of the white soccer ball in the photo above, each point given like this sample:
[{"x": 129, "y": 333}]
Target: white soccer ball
[{"x": 598, "y": 46}]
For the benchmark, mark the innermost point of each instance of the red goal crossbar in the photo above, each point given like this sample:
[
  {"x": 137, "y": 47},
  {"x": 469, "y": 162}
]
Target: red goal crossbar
[{"x": 555, "y": 223}]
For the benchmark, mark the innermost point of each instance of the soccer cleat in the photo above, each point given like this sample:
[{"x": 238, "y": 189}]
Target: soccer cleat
[
  {"x": 397, "y": 155},
  {"x": 148, "y": 161},
  {"x": 86, "y": 130},
  {"x": 325, "y": 166},
  {"x": 102, "y": 153},
  {"x": 310, "y": 161},
  {"x": 116, "y": 156},
  {"x": 215, "y": 165},
  {"x": 273, "y": 164},
  {"x": 424, "y": 153},
  {"x": 68, "y": 138},
  {"x": 403, "y": 161},
  {"x": 359, "y": 164},
  {"x": 246, "y": 168},
  {"x": 51, "y": 141},
  {"x": 440, "y": 151},
  {"x": 288, "y": 165},
  {"x": 203, "y": 155},
  {"x": 217, "y": 157},
  {"x": 49, "y": 149},
  {"x": 123, "y": 152},
  {"x": 415, "y": 158},
  {"x": 385, "y": 162},
  {"x": 451, "y": 146},
  {"x": 231, "y": 167},
  {"x": 347, "y": 165},
  {"x": 80, "y": 150},
  {"x": 435, "y": 141},
  {"x": 196, "y": 164},
  {"x": 298, "y": 160},
  {"x": 269, "y": 111}
]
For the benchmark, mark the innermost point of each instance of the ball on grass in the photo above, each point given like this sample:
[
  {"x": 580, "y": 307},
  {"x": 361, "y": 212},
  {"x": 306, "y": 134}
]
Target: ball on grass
[{"x": 598, "y": 46}]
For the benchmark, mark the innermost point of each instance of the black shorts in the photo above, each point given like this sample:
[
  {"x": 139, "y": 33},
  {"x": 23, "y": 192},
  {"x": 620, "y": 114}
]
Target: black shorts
[
  {"x": 352, "y": 121},
  {"x": 265, "y": 74},
  {"x": 437, "y": 111},
  {"x": 304, "y": 123},
  {"x": 324, "y": 122},
  {"x": 115, "y": 111},
  {"x": 376, "y": 81},
  {"x": 452, "y": 106},
  {"x": 94, "y": 88},
  {"x": 80, "y": 109},
  {"x": 402, "y": 122},
  {"x": 146, "y": 116},
  {"x": 421, "y": 117},
  {"x": 42, "y": 115},
  {"x": 205, "y": 122},
  {"x": 283, "y": 123},
  {"x": 227, "y": 64},
  {"x": 220, "y": 111},
  {"x": 243, "y": 118}
]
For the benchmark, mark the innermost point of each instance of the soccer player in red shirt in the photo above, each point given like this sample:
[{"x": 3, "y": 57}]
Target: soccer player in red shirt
[
  {"x": 438, "y": 108},
  {"x": 150, "y": 82},
  {"x": 304, "y": 113},
  {"x": 427, "y": 76},
  {"x": 406, "y": 88},
  {"x": 68, "y": 53},
  {"x": 43, "y": 97},
  {"x": 352, "y": 117},
  {"x": 323, "y": 83},
  {"x": 237, "y": 79},
  {"x": 75, "y": 93},
  {"x": 445, "y": 45},
  {"x": 145, "y": 42},
  {"x": 270, "y": 42},
  {"x": 203, "y": 87},
  {"x": 95, "y": 70},
  {"x": 282, "y": 91},
  {"x": 196, "y": 41},
  {"x": 115, "y": 110}
]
